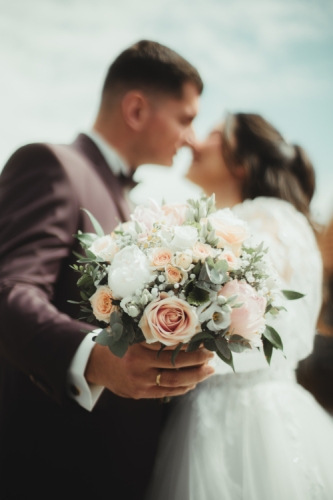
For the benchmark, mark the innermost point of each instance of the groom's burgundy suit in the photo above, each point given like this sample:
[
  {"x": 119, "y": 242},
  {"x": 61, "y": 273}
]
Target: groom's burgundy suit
[{"x": 47, "y": 439}]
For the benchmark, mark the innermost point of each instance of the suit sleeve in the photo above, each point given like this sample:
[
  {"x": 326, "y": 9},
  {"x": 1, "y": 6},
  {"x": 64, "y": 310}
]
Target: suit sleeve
[{"x": 39, "y": 213}]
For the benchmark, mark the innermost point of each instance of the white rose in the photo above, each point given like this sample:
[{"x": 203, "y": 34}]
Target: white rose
[
  {"x": 184, "y": 237},
  {"x": 129, "y": 271},
  {"x": 104, "y": 247}
]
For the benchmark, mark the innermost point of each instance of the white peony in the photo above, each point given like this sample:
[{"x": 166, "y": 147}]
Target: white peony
[
  {"x": 129, "y": 271},
  {"x": 184, "y": 237}
]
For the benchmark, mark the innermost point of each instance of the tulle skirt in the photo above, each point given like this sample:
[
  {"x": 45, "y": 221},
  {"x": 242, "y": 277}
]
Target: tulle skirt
[{"x": 247, "y": 436}]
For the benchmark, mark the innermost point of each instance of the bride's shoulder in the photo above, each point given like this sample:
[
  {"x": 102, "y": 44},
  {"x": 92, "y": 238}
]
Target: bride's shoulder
[{"x": 264, "y": 207}]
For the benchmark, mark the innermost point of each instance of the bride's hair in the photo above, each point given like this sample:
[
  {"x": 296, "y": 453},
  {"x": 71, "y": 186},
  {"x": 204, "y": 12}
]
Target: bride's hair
[{"x": 273, "y": 167}]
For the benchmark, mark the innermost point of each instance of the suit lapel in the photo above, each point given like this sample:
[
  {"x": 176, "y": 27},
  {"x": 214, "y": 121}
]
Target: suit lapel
[{"x": 84, "y": 145}]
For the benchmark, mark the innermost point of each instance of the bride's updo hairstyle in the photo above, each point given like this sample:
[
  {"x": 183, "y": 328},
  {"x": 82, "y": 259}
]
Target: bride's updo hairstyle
[{"x": 273, "y": 167}]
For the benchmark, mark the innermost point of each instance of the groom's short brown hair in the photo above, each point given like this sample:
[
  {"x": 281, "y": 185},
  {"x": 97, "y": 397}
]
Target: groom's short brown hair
[{"x": 152, "y": 67}]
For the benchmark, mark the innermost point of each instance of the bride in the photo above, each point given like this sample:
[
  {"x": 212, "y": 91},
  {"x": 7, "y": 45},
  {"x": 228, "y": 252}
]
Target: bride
[{"x": 256, "y": 434}]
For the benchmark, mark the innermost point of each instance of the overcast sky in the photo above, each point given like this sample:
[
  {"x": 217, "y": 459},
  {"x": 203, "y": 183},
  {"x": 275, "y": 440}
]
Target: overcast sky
[{"x": 268, "y": 56}]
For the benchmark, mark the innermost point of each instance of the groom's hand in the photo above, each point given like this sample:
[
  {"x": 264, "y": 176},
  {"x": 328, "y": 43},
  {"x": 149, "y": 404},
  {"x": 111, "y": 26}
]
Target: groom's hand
[{"x": 136, "y": 374}]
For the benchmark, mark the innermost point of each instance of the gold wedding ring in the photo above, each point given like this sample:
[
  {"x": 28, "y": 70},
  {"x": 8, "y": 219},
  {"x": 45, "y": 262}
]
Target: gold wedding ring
[{"x": 158, "y": 379}]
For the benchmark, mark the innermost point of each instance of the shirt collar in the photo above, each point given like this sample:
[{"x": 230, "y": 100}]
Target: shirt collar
[{"x": 116, "y": 162}]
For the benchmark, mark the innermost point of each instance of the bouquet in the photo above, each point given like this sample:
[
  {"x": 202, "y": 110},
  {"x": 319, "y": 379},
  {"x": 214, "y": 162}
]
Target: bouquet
[{"x": 180, "y": 274}]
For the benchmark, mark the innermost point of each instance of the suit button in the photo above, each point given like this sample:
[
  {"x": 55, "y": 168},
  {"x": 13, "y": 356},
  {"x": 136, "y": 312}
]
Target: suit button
[{"x": 74, "y": 390}]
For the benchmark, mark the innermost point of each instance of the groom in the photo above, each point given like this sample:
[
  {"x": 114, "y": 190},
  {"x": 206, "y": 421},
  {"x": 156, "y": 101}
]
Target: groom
[{"x": 76, "y": 421}]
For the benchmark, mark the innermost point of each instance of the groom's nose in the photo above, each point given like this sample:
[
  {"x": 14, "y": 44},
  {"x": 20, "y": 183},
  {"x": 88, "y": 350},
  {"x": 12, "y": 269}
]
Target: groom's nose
[{"x": 189, "y": 138}]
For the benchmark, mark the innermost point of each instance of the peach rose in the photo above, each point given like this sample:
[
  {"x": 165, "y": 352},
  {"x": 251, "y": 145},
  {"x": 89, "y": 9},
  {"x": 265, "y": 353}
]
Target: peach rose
[
  {"x": 201, "y": 251},
  {"x": 174, "y": 274},
  {"x": 101, "y": 303},
  {"x": 247, "y": 320},
  {"x": 230, "y": 257},
  {"x": 175, "y": 213},
  {"x": 230, "y": 231},
  {"x": 160, "y": 257},
  {"x": 169, "y": 320}
]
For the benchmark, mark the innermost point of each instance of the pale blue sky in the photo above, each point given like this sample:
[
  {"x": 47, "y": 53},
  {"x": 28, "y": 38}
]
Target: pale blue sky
[{"x": 274, "y": 57}]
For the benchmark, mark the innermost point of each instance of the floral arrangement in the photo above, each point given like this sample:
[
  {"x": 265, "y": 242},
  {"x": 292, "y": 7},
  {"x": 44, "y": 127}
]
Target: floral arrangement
[{"x": 179, "y": 274}]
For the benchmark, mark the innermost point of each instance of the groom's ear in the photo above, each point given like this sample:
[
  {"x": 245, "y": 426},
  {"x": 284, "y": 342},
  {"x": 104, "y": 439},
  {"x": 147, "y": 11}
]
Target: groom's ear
[{"x": 136, "y": 110}]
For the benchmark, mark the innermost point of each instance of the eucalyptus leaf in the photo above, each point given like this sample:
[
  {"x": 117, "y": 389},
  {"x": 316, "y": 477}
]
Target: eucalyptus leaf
[
  {"x": 291, "y": 295},
  {"x": 96, "y": 225},
  {"x": 221, "y": 266},
  {"x": 115, "y": 318},
  {"x": 119, "y": 347},
  {"x": 216, "y": 277},
  {"x": 117, "y": 331},
  {"x": 272, "y": 335},
  {"x": 104, "y": 338}
]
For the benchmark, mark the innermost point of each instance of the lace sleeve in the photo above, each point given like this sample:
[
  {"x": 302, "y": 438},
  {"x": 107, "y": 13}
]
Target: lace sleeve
[{"x": 294, "y": 253}]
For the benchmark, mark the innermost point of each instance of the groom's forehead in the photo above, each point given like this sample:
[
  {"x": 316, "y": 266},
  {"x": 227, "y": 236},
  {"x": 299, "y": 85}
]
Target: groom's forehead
[{"x": 186, "y": 104}]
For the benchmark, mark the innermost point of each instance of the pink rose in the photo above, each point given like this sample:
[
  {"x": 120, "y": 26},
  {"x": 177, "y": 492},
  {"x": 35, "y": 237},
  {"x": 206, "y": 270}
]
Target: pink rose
[
  {"x": 101, "y": 302},
  {"x": 230, "y": 230},
  {"x": 175, "y": 213},
  {"x": 169, "y": 320},
  {"x": 247, "y": 320}
]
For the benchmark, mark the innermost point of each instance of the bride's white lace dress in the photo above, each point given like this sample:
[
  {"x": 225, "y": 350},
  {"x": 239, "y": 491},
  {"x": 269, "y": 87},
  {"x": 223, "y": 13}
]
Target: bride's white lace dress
[{"x": 257, "y": 434}]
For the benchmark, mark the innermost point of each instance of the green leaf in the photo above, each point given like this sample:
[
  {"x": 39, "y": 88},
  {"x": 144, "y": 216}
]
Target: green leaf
[
  {"x": 268, "y": 350},
  {"x": 291, "y": 295},
  {"x": 210, "y": 344},
  {"x": 201, "y": 336},
  {"x": 193, "y": 345},
  {"x": 198, "y": 296},
  {"x": 272, "y": 335},
  {"x": 222, "y": 346},
  {"x": 229, "y": 361},
  {"x": 96, "y": 225},
  {"x": 84, "y": 280},
  {"x": 175, "y": 353},
  {"x": 86, "y": 238}
]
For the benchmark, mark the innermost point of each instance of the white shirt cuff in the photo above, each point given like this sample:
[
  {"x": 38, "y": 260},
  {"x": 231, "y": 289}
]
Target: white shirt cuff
[{"x": 86, "y": 395}]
